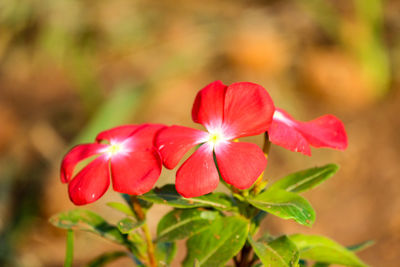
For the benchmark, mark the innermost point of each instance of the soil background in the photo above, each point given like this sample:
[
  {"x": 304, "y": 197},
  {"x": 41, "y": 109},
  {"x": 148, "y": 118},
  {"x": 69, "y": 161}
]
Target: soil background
[{"x": 69, "y": 69}]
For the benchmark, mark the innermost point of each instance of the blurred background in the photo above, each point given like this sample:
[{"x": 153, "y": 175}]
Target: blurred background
[{"x": 71, "y": 68}]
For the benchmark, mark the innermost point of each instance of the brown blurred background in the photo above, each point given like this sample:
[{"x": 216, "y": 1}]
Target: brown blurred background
[{"x": 71, "y": 68}]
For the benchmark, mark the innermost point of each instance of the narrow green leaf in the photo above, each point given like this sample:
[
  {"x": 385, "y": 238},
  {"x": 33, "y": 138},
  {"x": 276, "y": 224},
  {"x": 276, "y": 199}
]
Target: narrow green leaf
[
  {"x": 281, "y": 252},
  {"x": 86, "y": 220},
  {"x": 286, "y": 205},
  {"x": 127, "y": 225},
  {"x": 304, "y": 180},
  {"x": 167, "y": 195},
  {"x": 105, "y": 258},
  {"x": 361, "y": 246},
  {"x": 179, "y": 224},
  {"x": 165, "y": 252},
  {"x": 121, "y": 207},
  {"x": 218, "y": 243},
  {"x": 325, "y": 250}
]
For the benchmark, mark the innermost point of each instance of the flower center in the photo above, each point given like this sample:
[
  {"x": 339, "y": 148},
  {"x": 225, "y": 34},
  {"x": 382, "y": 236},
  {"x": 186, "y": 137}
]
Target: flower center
[
  {"x": 115, "y": 149},
  {"x": 215, "y": 137}
]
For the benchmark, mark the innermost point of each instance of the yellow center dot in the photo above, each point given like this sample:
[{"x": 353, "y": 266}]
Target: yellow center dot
[
  {"x": 214, "y": 138},
  {"x": 114, "y": 149}
]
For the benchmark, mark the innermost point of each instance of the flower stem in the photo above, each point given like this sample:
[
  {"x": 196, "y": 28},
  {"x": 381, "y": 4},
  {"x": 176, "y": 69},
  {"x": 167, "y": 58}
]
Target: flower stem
[
  {"x": 267, "y": 145},
  {"x": 69, "y": 253},
  {"x": 142, "y": 217}
]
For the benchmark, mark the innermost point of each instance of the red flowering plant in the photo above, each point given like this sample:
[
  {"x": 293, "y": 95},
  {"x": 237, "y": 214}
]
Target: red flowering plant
[{"x": 220, "y": 227}]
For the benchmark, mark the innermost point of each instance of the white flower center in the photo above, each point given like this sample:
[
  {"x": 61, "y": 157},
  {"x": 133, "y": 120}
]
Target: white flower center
[
  {"x": 115, "y": 149},
  {"x": 215, "y": 138}
]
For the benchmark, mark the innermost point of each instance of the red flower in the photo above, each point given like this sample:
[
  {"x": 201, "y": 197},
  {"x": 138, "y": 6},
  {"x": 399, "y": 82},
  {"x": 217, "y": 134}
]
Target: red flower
[
  {"x": 227, "y": 112},
  {"x": 129, "y": 158},
  {"x": 325, "y": 131}
]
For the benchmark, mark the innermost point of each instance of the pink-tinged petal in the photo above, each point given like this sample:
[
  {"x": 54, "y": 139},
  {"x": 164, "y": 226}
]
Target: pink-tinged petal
[
  {"x": 145, "y": 135},
  {"x": 325, "y": 131},
  {"x": 90, "y": 183},
  {"x": 240, "y": 164},
  {"x": 198, "y": 175},
  {"x": 135, "y": 173},
  {"x": 288, "y": 137},
  {"x": 173, "y": 143},
  {"x": 75, "y": 155},
  {"x": 117, "y": 133},
  {"x": 208, "y": 107},
  {"x": 248, "y": 110}
]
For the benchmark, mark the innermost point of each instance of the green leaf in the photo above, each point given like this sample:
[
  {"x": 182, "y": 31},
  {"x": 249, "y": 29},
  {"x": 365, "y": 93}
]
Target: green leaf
[
  {"x": 127, "y": 225},
  {"x": 218, "y": 243},
  {"x": 304, "y": 180},
  {"x": 179, "y": 224},
  {"x": 168, "y": 195},
  {"x": 325, "y": 250},
  {"x": 105, "y": 258},
  {"x": 121, "y": 207},
  {"x": 286, "y": 205},
  {"x": 281, "y": 252},
  {"x": 165, "y": 252},
  {"x": 86, "y": 220}
]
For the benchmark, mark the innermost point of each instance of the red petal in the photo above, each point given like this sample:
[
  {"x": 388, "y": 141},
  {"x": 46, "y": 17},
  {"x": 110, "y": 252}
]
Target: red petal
[
  {"x": 248, "y": 110},
  {"x": 135, "y": 173},
  {"x": 173, "y": 143},
  {"x": 118, "y": 133},
  {"x": 240, "y": 164},
  {"x": 90, "y": 183},
  {"x": 288, "y": 137},
  {"x": 208, "y": 107},
  {"x": 145, "y": 135},
  {"x": 325, "y": 131},
  {"x": 198, "y": 175},
  {"x": 75, "y": 155}
]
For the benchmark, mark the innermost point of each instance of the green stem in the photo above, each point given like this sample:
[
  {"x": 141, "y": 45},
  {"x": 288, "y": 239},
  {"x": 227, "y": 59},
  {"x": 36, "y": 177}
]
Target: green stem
[
  {"x": 142, "y": 217},
  {"x": 69, "y": 253}
]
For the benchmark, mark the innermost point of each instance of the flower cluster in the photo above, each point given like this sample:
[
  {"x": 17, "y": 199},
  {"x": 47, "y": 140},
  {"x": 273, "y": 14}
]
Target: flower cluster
[{"x": 132, "y": 155}]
